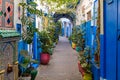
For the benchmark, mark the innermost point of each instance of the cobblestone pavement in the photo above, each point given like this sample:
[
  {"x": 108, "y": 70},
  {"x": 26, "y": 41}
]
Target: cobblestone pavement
[{"x": 63, "y": 64}]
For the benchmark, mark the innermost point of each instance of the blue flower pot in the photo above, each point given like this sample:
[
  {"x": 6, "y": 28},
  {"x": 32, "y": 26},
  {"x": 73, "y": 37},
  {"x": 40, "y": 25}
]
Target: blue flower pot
[{"x": 78, "y": 49}]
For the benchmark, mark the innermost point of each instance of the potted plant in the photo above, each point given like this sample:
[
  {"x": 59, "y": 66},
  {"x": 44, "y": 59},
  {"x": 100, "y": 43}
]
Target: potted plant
[
  {"x": 58, "y": 29},
  {"x": 74, "y": 37},
  {"x": 80, "y": 45},
  {"x": 74, "y": 41},
  {"x": 51, "y": 32},
  {"x": 81, "y": 70},
  {"x": 88, "y": 73},
  {"x": 27, "y": 72},
  {"x": 45, "y": 45},
  {"x": 87, "y": 76},
  {"x": 84, "y": 64}
]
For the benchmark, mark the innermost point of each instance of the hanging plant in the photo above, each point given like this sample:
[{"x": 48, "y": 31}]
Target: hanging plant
[{"x": 61, "y": 5}]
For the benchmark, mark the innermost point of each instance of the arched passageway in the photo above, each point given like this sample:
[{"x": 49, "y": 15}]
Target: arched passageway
[
  {"x": 66, "y": 27},
  {"x": 69, "y": 16}
]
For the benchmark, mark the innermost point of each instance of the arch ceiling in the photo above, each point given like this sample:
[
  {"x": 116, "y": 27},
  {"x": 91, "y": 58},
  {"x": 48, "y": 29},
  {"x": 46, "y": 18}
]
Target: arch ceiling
[{"x": 69, "y": 16}]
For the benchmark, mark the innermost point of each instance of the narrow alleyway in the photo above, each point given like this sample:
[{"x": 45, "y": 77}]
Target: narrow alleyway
[{"x": 63, "y": 64}]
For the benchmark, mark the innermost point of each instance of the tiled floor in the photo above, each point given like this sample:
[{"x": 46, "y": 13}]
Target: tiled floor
[{"x": 63, "y": 64}]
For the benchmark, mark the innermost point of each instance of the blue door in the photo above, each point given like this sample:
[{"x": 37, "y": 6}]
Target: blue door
[
  {"x": 112, "y": 38},
  {"x": 118, "y": 39}
]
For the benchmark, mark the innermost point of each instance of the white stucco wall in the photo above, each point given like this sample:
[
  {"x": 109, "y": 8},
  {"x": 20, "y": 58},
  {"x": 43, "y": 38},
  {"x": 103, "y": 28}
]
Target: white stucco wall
[
  {"x": 88, "y": 7},
  {"x": 16, "y": 20},
  {"x": 39, "y": 22},
  {"x": 38, "y": 18},
  {"x": 78, "y": 14}
]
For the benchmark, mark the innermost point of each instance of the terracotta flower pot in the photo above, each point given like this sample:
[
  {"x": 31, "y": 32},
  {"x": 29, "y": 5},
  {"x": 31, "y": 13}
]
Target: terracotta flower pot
[
  {"x": 81, "y": 69},
  {"x": 44, "y": 58}
]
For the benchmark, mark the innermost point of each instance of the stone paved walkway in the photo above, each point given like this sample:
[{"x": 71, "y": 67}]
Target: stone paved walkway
[{"x": 63, "y": 64}]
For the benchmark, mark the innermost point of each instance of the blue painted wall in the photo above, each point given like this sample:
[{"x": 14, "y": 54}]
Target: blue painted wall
[
  {"x": 90, "y": 40},
  {"x": 66, "y": 30},
  {"x": 93, "y": 41},
  {"x": 95, "y": 71},
  {"x": 102, "y": 58},
  {"x": 21, "y": 44},
  {"x": 88, "y": 33}
]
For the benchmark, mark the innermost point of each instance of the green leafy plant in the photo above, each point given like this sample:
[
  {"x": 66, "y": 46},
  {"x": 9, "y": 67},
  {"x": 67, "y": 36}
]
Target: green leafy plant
[
  {"x": 57, "y": 31},
  {"x": 80, "y": 40},
  {"x": 54, "y": 30},
  {"x": 84, "y": 58},
  {"x": 27, "y": 59},
  {"x": 74, "y": 35},
  {"x": 70, "y": 38},
  {"x": 28, "y": 29},
  {"x": 45, "y": 41},
  {"x": 69, "y": 5},
  {"x": 26, "y": 65},
  {"x": 87, "y": 76},
  {"x": 51, "y": 32}
]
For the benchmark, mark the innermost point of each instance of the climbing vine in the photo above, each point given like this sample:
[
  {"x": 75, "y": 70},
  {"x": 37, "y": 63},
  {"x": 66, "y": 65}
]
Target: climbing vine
[{"x": 63, "y": 6}]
